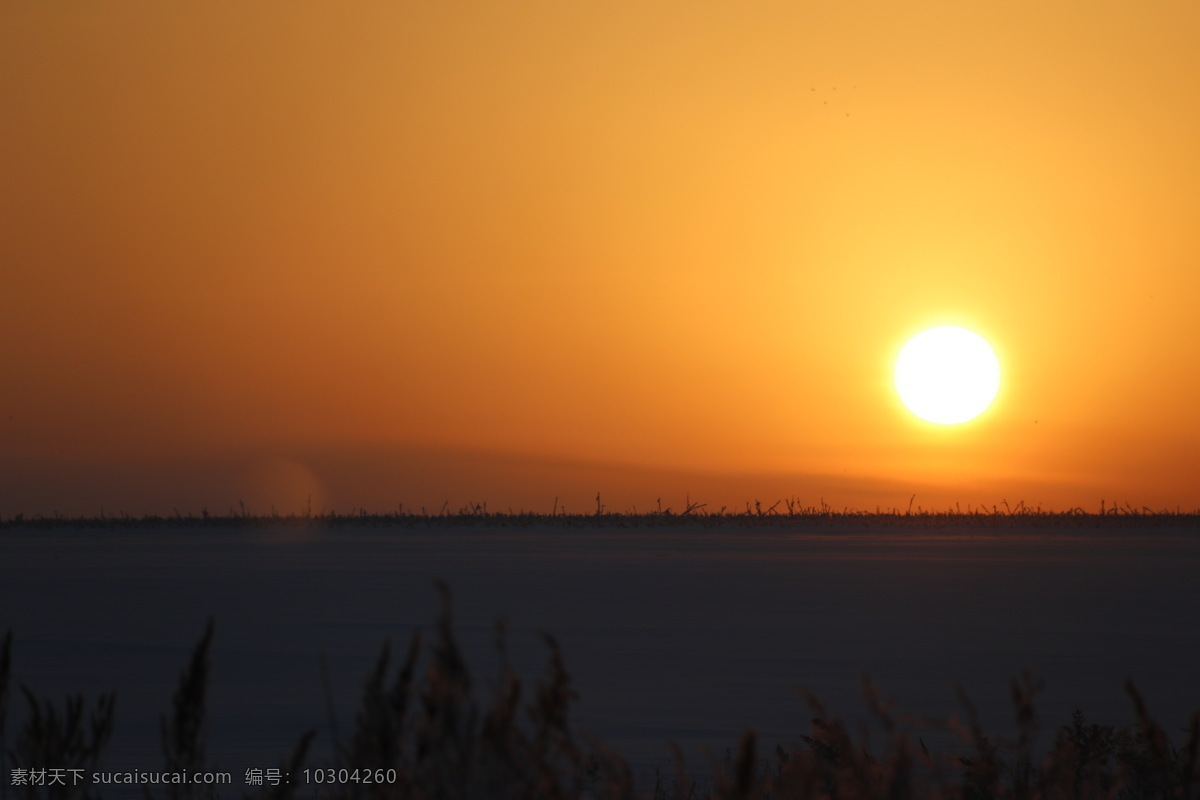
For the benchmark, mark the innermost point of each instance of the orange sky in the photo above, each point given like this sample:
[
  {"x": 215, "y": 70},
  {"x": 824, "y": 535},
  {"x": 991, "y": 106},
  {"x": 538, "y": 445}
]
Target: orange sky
[{"x": 407, "y": 252}]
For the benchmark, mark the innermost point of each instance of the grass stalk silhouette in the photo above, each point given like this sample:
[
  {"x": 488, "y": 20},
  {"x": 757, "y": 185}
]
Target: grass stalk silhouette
[
  {"x": 784, "y": 512},
  {"x": 67, "y": 738},
  {"x": 429, "y": 730}
]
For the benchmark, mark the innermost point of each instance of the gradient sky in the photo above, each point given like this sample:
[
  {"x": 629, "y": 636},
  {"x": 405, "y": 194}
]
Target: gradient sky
[{"x": 376, "y": 253}]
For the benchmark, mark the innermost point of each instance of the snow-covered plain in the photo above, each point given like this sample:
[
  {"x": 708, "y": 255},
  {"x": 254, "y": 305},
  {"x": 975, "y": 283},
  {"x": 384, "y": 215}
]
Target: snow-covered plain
[{"x": 683, "y": 633}]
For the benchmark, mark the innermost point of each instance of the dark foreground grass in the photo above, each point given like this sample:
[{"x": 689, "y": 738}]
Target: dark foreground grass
[{"x": 423, "y": 730}]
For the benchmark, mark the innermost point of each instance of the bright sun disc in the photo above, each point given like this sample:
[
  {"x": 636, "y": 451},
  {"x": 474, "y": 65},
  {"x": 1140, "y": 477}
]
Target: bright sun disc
[{"x": 947, "y": 375}]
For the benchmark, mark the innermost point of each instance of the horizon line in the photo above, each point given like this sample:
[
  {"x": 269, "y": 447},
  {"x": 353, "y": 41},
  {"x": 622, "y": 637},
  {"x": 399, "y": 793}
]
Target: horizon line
[{"x": 473, "y": 513}]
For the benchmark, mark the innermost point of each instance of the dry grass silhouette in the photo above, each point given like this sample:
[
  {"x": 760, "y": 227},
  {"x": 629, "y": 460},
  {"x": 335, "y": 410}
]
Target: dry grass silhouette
[
  {"x": 429, "y": 727},
  {"x": 783, "y": 513}
]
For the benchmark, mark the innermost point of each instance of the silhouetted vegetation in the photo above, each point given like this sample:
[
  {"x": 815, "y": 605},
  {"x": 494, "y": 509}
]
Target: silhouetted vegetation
[
  {"x": 781, "y": 513},
  {"x": 69, "y": 738},
  {"x": 429, "y": 735}
]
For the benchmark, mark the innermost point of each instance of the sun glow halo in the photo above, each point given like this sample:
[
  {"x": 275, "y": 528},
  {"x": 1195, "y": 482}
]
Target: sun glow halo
[{"x": 947, "y": 375}]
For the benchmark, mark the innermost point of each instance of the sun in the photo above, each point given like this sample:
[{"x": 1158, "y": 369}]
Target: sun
[{"x": 947, "y": 375}]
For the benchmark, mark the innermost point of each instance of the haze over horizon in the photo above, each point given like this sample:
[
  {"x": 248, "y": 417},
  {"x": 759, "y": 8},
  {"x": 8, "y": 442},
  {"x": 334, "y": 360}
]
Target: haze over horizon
[{"x": 399, "y": 253}]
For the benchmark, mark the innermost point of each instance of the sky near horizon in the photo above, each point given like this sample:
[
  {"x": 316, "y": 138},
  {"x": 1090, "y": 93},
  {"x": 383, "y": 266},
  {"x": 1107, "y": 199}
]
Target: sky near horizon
[{"x": 383, "y": 253}]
